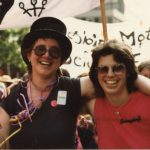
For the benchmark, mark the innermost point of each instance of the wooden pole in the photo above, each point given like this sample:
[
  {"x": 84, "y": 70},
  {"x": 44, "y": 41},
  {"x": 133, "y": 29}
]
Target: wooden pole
[{"x": 103, "y": 16}]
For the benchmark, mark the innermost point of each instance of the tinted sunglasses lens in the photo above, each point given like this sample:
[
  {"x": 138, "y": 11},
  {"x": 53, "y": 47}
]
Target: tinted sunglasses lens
[
  {"x": 54, "y": 52},
  {"x": 103, "y": 69},
  {"x": 40, "y": 50},
  {"x": 118, "y": 68}
]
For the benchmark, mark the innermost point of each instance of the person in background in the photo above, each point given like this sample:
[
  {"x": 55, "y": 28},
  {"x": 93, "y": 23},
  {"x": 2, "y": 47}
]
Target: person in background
[
  {"x": 64, "y": 72},
  {"x": 41, "y": 112},
  {"x": 144, "y": 68},
  {"x": 6, "y": 79},
  {"x": 5, "y": 82},
  {"x": 121, "y": 113},
  {"x": 85, "y": 125},
  {"x": 86, "y": 129}
]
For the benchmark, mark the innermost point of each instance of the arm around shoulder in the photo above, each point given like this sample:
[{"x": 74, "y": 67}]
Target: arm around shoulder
[
  {"x": 143, "y": 84},
  {"x": 87, "y": 88}
]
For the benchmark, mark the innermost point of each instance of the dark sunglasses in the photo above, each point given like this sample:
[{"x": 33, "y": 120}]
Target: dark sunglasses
[
  {"x": 118, "y": 68},
  {"x": 53, "y": 52}
]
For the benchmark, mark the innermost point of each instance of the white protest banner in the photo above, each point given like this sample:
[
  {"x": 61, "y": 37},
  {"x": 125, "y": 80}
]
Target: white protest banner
[
  {"x": 21, "y": 13},
  {"x": 86, "y": 35}
]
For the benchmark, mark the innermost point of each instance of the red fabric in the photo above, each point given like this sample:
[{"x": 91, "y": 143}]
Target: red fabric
[{"x": 113, "y": 134}]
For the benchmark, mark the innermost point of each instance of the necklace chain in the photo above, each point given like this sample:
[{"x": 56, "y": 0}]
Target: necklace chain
[{"x": 37, "y": 101}]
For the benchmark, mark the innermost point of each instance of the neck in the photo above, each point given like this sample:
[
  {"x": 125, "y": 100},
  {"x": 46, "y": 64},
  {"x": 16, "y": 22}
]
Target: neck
[
  {"x": 39, "y": 89},
  {"x": 42, "y": 84},
  {"x": 118, "y": 99}
]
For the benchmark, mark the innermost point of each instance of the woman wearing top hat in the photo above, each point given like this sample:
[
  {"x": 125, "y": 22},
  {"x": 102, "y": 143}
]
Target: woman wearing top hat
[{"x": 43, "y": 110}]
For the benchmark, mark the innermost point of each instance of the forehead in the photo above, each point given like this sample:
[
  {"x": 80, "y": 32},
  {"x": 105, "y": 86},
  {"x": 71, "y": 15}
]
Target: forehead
[
  {"x": 46, "y": 41},
  {"x": 107, "y": 60}
]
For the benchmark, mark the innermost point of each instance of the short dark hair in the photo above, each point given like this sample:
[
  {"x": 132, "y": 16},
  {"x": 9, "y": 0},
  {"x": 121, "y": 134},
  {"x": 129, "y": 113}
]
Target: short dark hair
[{"x": 122, "y": 54}]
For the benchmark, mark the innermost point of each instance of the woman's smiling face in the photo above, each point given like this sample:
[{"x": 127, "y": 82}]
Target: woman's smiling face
[
  {"x": 111, "y": 75},
  {"x": 44, "y": 64}
]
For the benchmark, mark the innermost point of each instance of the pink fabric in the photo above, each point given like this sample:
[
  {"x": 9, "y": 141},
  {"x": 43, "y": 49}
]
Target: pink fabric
[
  {"x": 113, "y": 134},
  {"x": 79, "y": 145}
]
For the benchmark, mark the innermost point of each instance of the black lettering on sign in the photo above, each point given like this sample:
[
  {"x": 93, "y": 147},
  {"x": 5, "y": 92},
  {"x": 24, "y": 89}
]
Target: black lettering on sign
[
  {"x": 34, "y": 9},
  {"x": 136, "y": 39},
  {"x": 83, "y": 38}
]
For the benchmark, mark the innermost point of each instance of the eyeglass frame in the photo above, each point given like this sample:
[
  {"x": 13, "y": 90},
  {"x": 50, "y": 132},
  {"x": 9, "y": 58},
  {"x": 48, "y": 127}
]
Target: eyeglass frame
[
  {"x": 49, "y": 50},
  {"x": 117, "y": 69}
]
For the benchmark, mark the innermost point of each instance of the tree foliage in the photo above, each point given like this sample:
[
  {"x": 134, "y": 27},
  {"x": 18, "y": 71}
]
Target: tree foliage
[{"x": 10, "y": 56}]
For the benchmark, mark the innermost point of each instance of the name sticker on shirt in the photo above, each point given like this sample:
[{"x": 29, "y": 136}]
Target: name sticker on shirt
[{"x": 61, "y": 97}]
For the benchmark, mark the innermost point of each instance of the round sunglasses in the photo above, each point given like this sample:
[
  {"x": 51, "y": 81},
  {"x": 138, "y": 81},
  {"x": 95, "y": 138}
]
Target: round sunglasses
[
  {"x": 118, "y": 68},
  {"x": 53, "y": 52}
]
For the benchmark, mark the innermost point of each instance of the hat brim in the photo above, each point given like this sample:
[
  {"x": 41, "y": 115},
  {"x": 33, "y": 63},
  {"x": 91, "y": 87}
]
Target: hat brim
[
  {"x": 6, "y": 81},
  {"x": 29, "y": 39}
]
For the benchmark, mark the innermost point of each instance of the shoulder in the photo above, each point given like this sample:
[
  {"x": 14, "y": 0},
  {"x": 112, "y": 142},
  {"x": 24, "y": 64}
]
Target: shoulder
[
  {"x": 10, "y": 100},
  {"x": 68, "y": 80},
  {"x": 140, "y": 95},
  {"x": 91, "y": 105},
  {"x": 16, "y": 87},
  {"x": 69, "y": 83},
  {"x": 72, "y": 85},
  {"x": 140, "y": 98}
]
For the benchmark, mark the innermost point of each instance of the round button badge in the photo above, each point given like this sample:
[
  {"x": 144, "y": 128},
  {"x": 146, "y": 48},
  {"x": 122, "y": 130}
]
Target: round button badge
[{"x": 53, "y": 103}]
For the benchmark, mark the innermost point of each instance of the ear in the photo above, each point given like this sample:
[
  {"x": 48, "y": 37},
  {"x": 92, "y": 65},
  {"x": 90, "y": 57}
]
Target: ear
[{"x": 29, "y": 57}]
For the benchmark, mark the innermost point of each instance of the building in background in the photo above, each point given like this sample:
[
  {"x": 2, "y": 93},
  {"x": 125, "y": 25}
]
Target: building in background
[{"x": 114, "y": 10}]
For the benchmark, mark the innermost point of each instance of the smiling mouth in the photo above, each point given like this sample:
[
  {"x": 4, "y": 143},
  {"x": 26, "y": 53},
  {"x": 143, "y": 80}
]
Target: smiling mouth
[
  {"x": 111, "y": 82},
  {"x": 45, "y": 63}
]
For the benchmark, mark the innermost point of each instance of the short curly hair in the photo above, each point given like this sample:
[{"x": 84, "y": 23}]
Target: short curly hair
[{"x": 122, "y": 54}]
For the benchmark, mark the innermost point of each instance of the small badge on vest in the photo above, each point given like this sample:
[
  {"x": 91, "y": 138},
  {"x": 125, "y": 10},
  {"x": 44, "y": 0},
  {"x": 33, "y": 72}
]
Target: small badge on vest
[{"x": 62, "y": 97}]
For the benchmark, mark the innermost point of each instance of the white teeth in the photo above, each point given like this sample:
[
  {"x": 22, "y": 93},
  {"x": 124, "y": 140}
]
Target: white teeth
[
  {"x": 111, "y": 82},
  {"x": 45, "y": 63}
]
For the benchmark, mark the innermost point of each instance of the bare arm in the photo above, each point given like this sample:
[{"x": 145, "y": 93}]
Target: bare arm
[
  {"x": 143, "y": 84},
  {"x": 90, "y": 106},
  {"x": 4, "y": 128},
  {"x": 87, "y": 88}
]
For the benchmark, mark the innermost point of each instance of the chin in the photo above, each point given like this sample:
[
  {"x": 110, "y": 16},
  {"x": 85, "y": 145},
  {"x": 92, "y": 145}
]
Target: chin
[{"x": 112, "y": 92}]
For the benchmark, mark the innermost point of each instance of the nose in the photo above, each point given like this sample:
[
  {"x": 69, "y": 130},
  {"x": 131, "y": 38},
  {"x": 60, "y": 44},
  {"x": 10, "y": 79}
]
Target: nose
[
  {"x": 110, "y": 72},
  {"x": 47, "y": 53}
]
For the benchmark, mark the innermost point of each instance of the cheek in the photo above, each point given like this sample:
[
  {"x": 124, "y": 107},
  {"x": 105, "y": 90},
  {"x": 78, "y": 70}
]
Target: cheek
[
  {"x": 60, "y": 61},
  {"x": 57, "y": 63},
  {"x": 30, "y": 56},
  {"x": 100, "y": 79},
  {"x": 33, "y": 57}
]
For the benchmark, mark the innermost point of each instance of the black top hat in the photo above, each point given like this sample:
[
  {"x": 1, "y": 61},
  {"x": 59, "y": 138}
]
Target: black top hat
[{"x": 44, "y": 28}]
